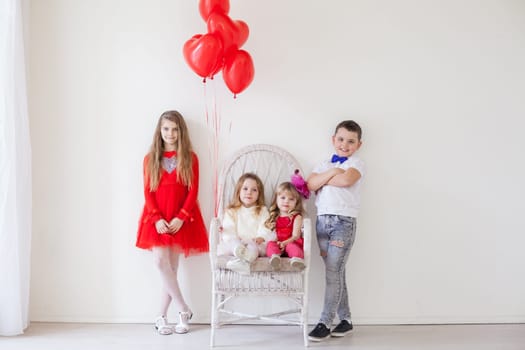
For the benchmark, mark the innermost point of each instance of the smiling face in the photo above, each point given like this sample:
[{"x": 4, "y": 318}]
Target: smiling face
[
  {"x": 169, "y": 132},
  {"x": 249, "y": 193},
  {"x": 345, "y": 142},
  {"x": 286, "y": 202}
]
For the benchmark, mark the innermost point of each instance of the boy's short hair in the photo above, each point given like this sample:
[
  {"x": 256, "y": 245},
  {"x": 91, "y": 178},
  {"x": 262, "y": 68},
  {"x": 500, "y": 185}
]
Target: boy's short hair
[{"x": 350, "y": 125}]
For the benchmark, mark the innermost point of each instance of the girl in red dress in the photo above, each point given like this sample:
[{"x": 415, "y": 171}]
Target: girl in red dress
[
  {"x": 286, "y": 218},
  {"x": 171, "y": 223}
]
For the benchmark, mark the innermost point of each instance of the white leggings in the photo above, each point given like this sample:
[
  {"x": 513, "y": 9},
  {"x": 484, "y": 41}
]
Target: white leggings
[{"x": 167, "y": 262}]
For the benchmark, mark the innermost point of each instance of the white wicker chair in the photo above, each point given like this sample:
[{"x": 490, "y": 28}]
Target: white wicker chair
[{"x": 273, "y": 165}]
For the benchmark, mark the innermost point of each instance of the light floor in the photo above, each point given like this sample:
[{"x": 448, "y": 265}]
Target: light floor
[{"x": 73, "y": 336}]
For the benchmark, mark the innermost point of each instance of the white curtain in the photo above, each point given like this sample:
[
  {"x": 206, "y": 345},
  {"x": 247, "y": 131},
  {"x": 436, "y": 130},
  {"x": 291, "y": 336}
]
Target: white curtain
[{"x": 15, "y": 174}]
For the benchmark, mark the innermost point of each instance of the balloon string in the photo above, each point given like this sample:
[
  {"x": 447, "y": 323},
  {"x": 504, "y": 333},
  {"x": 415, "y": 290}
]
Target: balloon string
[
  {"x": 210, "y": 145},
  {"x": 213, "y": 122},
  {"x": 205, "y": 104},
  {"x": 216, "y": 150}
]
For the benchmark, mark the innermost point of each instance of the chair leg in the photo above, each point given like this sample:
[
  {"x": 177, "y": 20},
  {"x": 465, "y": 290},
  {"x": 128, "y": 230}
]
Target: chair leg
[
  {"x": 214, "y": 319},
  {"x": 304, "y": 320},
  {"x": 212, "y": 337},
  {"x": 305, "y": 334}
]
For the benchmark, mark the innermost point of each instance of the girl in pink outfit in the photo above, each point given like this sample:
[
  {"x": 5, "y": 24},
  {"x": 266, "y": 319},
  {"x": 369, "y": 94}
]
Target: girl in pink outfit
[{"x": 286, "y": 218}]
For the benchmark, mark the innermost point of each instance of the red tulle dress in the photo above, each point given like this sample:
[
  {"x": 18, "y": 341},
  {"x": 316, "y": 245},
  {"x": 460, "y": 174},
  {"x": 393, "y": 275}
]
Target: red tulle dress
[{"x": 173, "y": 199}]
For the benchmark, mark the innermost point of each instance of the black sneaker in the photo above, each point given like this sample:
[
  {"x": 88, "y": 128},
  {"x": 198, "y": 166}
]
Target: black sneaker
[
  {"x": 320, "y": 332},
  {"x": 342, "y": 329}
]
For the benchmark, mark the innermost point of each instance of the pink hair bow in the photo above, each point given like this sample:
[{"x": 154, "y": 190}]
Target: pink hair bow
[{"x": 300, "y": 184}]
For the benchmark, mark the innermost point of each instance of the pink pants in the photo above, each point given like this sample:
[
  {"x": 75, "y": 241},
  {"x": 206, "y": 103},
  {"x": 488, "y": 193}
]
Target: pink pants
[{"x": 293, "y": 250}]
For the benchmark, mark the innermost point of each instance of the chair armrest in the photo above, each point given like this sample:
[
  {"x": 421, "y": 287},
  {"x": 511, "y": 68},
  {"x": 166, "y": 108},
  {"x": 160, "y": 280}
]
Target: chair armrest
[
  {"x": 214, "y": 241},
  {"x": 307, "y": 240}
]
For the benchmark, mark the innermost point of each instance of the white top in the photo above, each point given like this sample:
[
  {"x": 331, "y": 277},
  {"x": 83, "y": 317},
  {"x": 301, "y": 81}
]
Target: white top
[
  {"x": 335, "y": 200},
  {"x": 245, "y": 224}
]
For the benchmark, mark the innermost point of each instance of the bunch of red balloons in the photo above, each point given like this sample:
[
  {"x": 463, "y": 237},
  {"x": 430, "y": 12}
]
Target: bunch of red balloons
[{"x": 219, "y": 49}]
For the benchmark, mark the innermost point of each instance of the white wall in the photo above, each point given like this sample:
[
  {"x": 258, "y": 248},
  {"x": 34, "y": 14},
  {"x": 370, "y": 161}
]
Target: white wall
[{"x": 438, "y": 87}]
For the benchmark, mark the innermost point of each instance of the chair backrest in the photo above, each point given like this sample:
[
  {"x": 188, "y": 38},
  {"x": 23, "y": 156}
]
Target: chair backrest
[{"x": 271, "y": 163}]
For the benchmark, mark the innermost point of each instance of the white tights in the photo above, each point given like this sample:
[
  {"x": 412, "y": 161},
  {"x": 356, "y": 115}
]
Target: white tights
[{"x": 167, "y": 262}]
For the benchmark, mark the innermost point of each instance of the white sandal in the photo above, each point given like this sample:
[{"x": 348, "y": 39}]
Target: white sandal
[
  {"x": 161, "y": 325},
  {"x": 183, "y": 326}
]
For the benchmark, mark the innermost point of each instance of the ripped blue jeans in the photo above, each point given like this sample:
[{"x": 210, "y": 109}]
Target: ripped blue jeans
[{"x": 335, "y": 236}]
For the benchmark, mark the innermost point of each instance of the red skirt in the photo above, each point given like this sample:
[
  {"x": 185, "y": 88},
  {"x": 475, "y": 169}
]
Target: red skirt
[{"x": 191, "y": 239}]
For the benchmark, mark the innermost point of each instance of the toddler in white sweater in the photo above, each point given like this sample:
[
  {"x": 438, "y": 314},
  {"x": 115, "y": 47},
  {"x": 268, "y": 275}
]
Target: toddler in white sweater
[{"x": 243, "y": 232}]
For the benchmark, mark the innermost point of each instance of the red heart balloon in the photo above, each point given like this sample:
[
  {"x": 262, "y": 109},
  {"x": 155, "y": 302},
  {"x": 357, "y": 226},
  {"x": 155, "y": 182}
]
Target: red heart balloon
[
  {"x": 218, "y": 68},
  {"x": 206, "y": 7},
  {"x": 203, "y": 53},
  {"x": 233, "y": 34},
  {"x": 238, "y": 71},
  {"x": 243, "y": 32}
]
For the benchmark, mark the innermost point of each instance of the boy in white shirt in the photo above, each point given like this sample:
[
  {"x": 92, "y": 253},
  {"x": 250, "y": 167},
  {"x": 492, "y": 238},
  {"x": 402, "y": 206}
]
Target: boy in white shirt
[{"x": 337, "y": 183}]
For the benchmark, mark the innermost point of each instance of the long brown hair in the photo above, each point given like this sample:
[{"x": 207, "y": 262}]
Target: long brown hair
[
  {"x": 183, "y": 148},
  {"x": 274, "y": 209},
  {"x": 236, "y": 200}
]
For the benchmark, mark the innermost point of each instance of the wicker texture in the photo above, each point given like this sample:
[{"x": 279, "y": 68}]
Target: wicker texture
[{"x": 273, "y": 165}]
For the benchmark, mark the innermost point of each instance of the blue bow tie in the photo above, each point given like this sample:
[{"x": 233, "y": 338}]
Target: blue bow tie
[{"x": 336, "y": 158}]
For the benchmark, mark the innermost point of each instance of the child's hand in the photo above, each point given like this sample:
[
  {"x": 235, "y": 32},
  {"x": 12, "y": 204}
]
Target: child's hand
[
  {"x": 259, "y": 240},
  {"x": 175, "y": 225},
  {"x": 281, "y": 245},
  {"x": 162, "y": 226}
]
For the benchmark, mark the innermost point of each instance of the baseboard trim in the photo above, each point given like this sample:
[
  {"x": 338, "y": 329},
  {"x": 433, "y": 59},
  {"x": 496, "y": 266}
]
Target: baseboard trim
[{"x": 379, "y": 320}]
